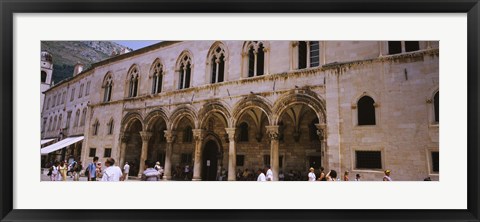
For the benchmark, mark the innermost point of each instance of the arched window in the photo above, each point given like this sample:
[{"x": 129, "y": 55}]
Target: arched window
[
  {"x": 217, "y": 64},
  {"x": 366, "y": 111},
  {"x": 59, "y": 122},
  {"x": 84, "y": 115},
  {"x": 110, "y": 127},
  {"x": 255, "y": 51},
  {"x": 308, "y": 54},
  {"x": 133, "y": 82},
  {"x": 243, "y": 132},
  {"x": 107, "y": 87},
  {"x": 43, "y": 77},
  {"x": 436, "y": 107},
  {"x": 95, "y": 127},
  {"x": 77, "y": 118},
  {"x": 157, "y": 77},
  {"x": 184, "y": 71},
  {"x": 187, "y": 134},
  {"x": 54, "y": 123}
]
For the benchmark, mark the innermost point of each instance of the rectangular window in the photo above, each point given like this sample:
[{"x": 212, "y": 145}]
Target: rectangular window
[
  {"x": 108, "y": 152},
  {"x": 92, "y": 152},
  {"x": 240, "y": 160},
  {"x": 87, "y": 90},
  {"x": 411, "y": 46},
  {"x": 435, "y": 162},
  {"x": 394, "y": 47},
  {"x": 80, "y": 91},
  {"x": 314, "y": 53},
  {"x": 368, "y": 160},
  {"x": 64, "y": 97},
  {"x": 44, "y": 124},
  {"x": 48, "y": 104},
  {"x": 72, "y": 95},
  {"x": 54, "y": 100},
  {"x": 186, "y": 158}
]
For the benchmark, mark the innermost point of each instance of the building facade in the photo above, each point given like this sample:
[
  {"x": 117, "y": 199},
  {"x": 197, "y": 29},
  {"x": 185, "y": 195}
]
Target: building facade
[{"x": 357, "y": 106}]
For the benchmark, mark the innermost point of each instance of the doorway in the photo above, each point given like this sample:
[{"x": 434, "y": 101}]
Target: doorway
[
  {"x": 209, "y": 162},
  {"x": 315, "y": 162}
]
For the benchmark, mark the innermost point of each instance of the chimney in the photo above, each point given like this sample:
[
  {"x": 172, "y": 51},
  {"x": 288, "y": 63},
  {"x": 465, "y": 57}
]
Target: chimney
[{"x": 78, "y": 68}]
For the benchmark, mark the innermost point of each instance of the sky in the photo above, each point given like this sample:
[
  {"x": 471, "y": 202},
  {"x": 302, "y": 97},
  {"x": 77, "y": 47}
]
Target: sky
[{"x": 137, "y": 44}]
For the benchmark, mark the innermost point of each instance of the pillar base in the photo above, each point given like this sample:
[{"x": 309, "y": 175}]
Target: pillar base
[
  {"x": 196, "y": 179},
  {"x": 167, "y": 178}
]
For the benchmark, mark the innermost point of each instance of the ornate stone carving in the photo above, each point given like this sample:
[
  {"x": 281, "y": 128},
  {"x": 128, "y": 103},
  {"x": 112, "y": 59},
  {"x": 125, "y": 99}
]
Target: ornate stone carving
[
  {"x": 231, "y": 133},
  {"x": 198, "y": 134},
  {"x": 170, "y": 135},
  {"x": 273, "y": 132},
  {"x": 145, "y": 135}
]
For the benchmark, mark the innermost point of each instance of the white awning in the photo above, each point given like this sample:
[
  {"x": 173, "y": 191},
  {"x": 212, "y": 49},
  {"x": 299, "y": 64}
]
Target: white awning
[
  {"x": 60, "y": 144},
  {"x": 45, "y": 141}
]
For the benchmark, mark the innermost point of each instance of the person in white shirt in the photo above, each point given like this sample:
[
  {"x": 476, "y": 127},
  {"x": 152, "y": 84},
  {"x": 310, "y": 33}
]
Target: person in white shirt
[
  {"x": 311, "y": 175},
  {"x": 126, "y": 170},
  {"x": 387, "y": 176},
  {"x": 112, "y": 172},
  {"x": 269, "y": 174},
  {"x": 261, "y": 175}
]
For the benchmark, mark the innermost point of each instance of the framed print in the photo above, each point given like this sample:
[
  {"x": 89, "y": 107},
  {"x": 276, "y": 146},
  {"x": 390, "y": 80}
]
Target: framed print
[{"x": 335, "y": 105}]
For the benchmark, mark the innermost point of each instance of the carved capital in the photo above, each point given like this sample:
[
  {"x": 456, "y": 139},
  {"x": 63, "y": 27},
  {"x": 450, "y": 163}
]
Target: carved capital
[
  {"x": 273, "y": 132},
  {"x": 170, "y": 135},
  {"x": 145, "y": 135},
  {"x": 321, "y": 130},
  {"x": 198, "y": 134},
  {"x": 231, "y": 133}
]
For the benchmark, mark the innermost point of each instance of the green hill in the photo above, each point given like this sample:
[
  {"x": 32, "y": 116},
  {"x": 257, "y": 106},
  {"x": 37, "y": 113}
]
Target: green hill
[{"x": 66, "y": 54}]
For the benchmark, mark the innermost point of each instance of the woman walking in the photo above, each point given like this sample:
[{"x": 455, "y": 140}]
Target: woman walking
[
  {"x": 54, "y": 175},
  {"x": 63, "y": 170}
]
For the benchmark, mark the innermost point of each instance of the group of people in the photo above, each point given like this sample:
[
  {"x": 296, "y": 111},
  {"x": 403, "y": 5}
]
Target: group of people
[{"x": 60, "y": 170}]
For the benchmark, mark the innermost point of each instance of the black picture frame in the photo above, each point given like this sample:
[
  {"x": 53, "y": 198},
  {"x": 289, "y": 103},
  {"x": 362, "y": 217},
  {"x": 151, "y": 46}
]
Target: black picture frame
[{"x": 9, "y": 7}]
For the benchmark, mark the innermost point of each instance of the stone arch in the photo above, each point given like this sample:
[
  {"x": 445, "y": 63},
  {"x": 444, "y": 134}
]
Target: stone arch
[
  {"x": 153, "y": 116},
  {"x": 362, "y": 94},
  {"x": 222, "y": 52},
  {"x": 183, "y": 111},
  {"x": 305, "y": 97},
  {"x": 251, "y": 101},
  {"x": 129, "y": 118},
  {"x": 215, "y": 108}
]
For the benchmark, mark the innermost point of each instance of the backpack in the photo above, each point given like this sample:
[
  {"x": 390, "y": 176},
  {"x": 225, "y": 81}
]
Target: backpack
[{"x": 86, "y": 170}]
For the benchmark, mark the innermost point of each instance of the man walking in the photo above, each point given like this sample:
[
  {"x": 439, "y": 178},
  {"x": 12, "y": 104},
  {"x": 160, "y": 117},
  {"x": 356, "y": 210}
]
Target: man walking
[
  {"x": 269, "y": 175},
  {"x": 92, "y": 176},
  {"x": 112, "y": 172}
]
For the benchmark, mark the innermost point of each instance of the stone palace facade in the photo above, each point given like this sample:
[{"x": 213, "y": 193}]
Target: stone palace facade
[{"x": 357, "y": 106}]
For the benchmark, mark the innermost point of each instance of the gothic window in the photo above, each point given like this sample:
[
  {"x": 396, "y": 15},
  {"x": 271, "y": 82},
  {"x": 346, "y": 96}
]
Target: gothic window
[
  {"x": 243, "y": 132},
  {"x": 184, "y": 71},
  {"x": 43, "y": 76},
  {"x": 59, "y": 122},
  {"x": 157, "y": 74},
  {"x": 187, "y": 134},
  {"x": 217, "y": 64},
  {"x": 95, "y": 127},
  {"x": 77, "y": 118},
  {"x": 72, "y": 96},
  {"x": 107, "y": 87},
  {"x": 368, "y": 160},
  {"x": 54, "y": 123},
  {"x": 133, "y": 75},
  {"x": 87, "y": 90},
  {"x": 366, "y": 111},
  {"x": 80, "y": 91},
  {"x": 436, "y": 107},
  {"x": 84, "y": 114},
  {"x": 110, "y": 127},
  {"x": 255, "y": 51},
  {"x": 69, "y": 117}
]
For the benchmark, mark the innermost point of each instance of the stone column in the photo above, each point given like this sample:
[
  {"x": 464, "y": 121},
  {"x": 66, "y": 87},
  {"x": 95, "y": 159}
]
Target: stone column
[
  {"x": 198, "y": 135},
  {"x": 232, "y": 154},
  {"x": 123, "y": 149},
  {"x": 322, "y": 136},
  {"x": 170, "y": 136},
  {"x": 143, "y": 156},
  {"x": 273, "y": 133}
]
